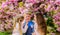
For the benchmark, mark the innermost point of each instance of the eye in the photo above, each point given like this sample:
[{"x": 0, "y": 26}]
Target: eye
[{"x": 20, "y": 20}]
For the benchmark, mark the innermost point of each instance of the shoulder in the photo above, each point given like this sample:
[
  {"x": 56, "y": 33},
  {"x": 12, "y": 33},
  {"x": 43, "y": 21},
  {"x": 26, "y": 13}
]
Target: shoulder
[
  {"x": 35, "y": 24},
  {"x": 22, "y": 22},
  {"x": 33, "y": 21}
]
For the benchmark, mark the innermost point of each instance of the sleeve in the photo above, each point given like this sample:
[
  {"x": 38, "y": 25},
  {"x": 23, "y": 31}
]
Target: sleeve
[
  {"x": 35, "y": 28},
  {"x": 25, "y": 28}
]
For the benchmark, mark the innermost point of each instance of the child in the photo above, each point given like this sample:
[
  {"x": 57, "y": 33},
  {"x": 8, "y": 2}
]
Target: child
[
  {"x": 27, "y": 24},
  {"x": 17, "y": 25}
]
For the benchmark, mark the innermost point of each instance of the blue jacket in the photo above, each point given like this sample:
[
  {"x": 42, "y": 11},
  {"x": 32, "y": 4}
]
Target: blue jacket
[{"x": 30, "y": 29}]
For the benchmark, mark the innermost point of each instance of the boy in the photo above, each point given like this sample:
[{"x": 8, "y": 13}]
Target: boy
[{"x": 28, "y": 24}]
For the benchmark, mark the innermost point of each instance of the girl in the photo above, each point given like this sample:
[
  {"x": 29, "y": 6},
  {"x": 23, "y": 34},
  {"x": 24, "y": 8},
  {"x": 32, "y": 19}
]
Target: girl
[
  {"x": 39, "y": 19},
  {"x": 17, "y": 25}
]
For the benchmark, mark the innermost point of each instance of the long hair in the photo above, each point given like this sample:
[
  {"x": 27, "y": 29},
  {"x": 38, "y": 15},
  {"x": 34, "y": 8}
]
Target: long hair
[
  {"x": 19, "y": 20},
  {"x": 41, "y": 24}
]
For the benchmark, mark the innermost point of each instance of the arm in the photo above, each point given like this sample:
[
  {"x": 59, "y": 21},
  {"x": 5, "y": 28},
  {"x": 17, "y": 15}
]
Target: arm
[
  {"x": 35, "y": 28},
  {"x": 25, "y": 28}
]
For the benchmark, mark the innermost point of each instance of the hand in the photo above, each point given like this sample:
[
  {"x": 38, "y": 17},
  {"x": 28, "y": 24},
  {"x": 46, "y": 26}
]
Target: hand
[
  {"x": 26, "y": 25},
  {"x": 33, "y": 33}
]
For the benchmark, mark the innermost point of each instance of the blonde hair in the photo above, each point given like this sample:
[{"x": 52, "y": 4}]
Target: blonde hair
[{"x": 19, "y": 20}]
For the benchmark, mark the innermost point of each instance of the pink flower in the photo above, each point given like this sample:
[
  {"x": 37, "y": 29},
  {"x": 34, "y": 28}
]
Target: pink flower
[
  {"x": 5, "y": 16},
  {"x": 1, "y": 11},
  {"x": 52, "y": 33},
  {"x": 31, "y": 1},
  {"x": 4, "y": 5},
  {"x": 58, "y": 29},
  {"x": 21, "y": 9},
  {"x": 8, "y": 12},
  {"x": 25, "y": 10},
  {"x": 14, "y": 14},
  {"x": 36, "y": 9},
  {"x": 9, "y": 2},
  {"x": 28, "y": 5},
  {"x": 9, "y": 25},
  {"x": 2, "y": 25},
  {"x": 1, "y": 15},
  {"x": 11, "y": 7},
  {"x": 57, "y": 9},
  {"x": 48, "y": 8},
  {"x": 13, "y": 0},
  {"x": 57, "y": 18},
  {"x": 51, "y": 2},
  {"x": 58, "y": 23},
  {"x": 16, "y": 3},
  {"x": 57, "y": 2}
]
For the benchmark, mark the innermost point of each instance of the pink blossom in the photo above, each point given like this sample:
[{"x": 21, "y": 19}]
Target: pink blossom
[
  {"x": 6, "y": 27},
  {"x": 58, "y": 29},
  {"x": 13, "y": 0},
  {"x": 48, "y": 8},
  {"x": 52, "y": 33},
  {"x": 9, "y": 25},
  {"x": 25, "y": 10},
  {"x": 8, "y": 12},
  {"x": 57, "y": 2},
  {"x": 52, "y": 2},
  {"x": 28, "y": 5},
  {"x": 14, "y": 14},
  {"x": 58, "y": 23},
  {"x": 56, "y": 17},
  {"x": 11, "y": 7},
  {"x": 1, "y": 15},
  {"x": 57, "y": 9},
  {"x": 16, "y": 3},
  {"x": 9, "y": 2},
  {"x": 31, "y": 1},
  {"x": 42, "y": 5},
  {"x": 4, "y": 5},
  {"x": 36, "y": 9},
  {"x": 5, "y": 16},
  {"x": 2, "y": 25},
  {"x": 21, "y": 9},
  {"x": 1, "y": 11},
  {"x": 40, "y": 1}
]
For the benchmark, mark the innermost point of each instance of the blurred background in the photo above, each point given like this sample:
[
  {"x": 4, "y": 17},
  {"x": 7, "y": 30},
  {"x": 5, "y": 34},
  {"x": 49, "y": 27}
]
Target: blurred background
[{"x": 50, "y": 10}]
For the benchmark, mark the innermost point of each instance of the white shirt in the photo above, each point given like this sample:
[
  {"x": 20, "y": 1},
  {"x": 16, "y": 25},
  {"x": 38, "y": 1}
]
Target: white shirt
[{"x": 16, "y": 30}]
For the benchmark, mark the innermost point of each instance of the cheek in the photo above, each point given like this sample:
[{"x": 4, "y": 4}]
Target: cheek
[{"x": 27, "y": 18}]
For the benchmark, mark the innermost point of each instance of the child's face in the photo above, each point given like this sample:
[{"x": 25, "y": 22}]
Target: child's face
[{"x": 27, "y": 17}]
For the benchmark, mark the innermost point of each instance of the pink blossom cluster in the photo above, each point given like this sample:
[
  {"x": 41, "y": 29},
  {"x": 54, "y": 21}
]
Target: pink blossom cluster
[
  {"x": 57, "y": 16},
  {"x": 57, "y": 20}
]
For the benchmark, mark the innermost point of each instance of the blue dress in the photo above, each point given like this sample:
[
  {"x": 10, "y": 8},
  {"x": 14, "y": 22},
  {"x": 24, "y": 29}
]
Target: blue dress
[{"x": 30, "y": 29}]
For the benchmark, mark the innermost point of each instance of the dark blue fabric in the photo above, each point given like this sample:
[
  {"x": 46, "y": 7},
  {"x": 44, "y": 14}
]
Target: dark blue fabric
[
  {"x": 30, "y": 29},
  {"x": 24, "y": 24}
]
